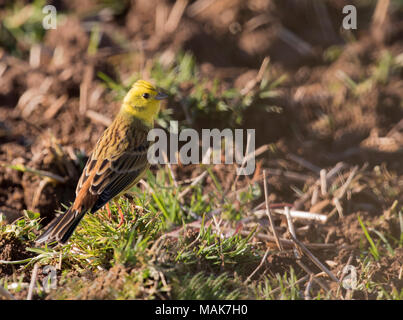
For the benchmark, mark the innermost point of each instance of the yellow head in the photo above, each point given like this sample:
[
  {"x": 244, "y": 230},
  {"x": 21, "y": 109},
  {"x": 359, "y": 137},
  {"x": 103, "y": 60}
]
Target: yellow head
[{"x": 143, "y": 101}]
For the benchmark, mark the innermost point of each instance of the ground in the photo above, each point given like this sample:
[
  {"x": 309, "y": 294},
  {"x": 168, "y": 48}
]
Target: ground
[{"x": 326, "y": 106}]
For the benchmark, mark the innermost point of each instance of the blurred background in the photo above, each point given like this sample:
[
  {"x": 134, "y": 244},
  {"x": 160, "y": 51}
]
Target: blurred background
[
  {"x": 286, "y": 68},
  {"x": 322, "y": 99}
]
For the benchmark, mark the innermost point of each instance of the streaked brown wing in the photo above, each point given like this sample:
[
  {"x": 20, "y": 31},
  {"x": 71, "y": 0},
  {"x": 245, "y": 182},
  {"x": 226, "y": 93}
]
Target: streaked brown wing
[
  {"x": 120, "y": 174},
  {"x": 113, "y": 167}
]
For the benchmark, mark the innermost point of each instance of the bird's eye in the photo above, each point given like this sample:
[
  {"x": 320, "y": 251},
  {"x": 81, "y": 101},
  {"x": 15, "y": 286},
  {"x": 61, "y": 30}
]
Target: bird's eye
[{"x": 146, "y": 95}]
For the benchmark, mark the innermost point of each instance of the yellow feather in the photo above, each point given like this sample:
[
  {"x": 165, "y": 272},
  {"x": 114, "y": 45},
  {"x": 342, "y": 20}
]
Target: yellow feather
[
  {"x": 118, "y": 161},
  {"x": 140, "y": 102}
]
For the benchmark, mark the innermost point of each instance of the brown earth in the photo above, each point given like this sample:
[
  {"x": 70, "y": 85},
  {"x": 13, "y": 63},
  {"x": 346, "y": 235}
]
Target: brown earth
[{"x": 45, "y": 123}]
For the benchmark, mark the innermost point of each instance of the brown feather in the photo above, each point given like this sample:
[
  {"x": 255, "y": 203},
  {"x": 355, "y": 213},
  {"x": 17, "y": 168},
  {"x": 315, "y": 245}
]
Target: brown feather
[{"x": 116, "y": 164}]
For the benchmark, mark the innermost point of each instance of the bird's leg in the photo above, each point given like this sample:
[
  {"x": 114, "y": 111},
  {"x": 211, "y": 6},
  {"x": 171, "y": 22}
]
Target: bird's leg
[
  {"x": 109, "y": 211},
  {"x": 122, "y": 218}
]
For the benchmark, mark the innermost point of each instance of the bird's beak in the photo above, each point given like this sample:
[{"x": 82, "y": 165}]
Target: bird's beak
[{"x": 161, "y": 96}]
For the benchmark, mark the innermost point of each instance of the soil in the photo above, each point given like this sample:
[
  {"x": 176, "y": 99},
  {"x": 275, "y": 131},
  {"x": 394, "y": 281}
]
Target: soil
[
  {"x": 45, "y": 126},
  {"x": 12, "y": 249}
]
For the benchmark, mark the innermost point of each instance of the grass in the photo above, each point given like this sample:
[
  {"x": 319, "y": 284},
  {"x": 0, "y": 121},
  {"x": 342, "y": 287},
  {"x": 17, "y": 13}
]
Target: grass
[
  {"x": 193, "y": 247},
  {"x": 97, "y": 244},
  {"x": 384, "y": 67},
  {"x": 196, "y": 262},
  {"x": 157, "y": 253},
  {"x": 21, "y": 27},
  {"x": 192, "y": 263},
  {"x": 206, "y": 96},
  {"x": 373, "y": 248}
]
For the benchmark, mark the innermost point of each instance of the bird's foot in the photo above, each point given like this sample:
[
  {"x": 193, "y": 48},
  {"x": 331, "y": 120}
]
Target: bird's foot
[{"x": 108, "y": 209}]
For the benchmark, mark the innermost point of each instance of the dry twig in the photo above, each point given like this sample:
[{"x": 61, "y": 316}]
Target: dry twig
[
  {"x": 175, "y": 15},
  {"x": 288, "y": 243},
  {"x": 97, "y": 117},
  {"x": 310, "y": 273},
  {"x": 314, "y": 259},
  {"x": 266, "y": 195},
  {"x": 258, "y": 267},
  {"x": 33, "y": 281}
]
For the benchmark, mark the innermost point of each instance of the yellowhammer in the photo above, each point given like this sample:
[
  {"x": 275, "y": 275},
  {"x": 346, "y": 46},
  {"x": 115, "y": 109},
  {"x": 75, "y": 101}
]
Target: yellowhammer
[{"x": 117, "y": 162}]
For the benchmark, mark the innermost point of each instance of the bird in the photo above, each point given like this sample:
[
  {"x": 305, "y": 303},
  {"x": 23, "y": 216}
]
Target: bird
[{"x": 117, "y": 162}]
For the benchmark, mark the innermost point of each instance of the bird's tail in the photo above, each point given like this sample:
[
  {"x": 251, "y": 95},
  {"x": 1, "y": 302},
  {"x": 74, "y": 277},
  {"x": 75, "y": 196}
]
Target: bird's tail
[{"x": 62, "y": 227}]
